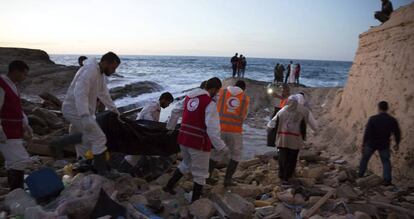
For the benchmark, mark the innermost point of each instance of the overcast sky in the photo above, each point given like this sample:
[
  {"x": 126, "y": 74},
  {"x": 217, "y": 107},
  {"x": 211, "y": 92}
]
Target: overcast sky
[{"x": 301, "y": 29}]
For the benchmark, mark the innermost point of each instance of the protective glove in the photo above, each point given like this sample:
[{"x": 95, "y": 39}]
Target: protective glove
[
  {"x": 88, "y": 123},
  {"x": 3, "y": 137},
  {"x": 222, "y": 149}
]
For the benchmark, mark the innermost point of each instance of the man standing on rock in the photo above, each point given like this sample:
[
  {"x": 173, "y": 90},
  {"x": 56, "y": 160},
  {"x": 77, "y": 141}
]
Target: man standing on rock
[
  {"x": 200, "y": 130},
  {"x": 377, "y": 137},
  {"x": 14, "y": 124},
  {"x": 80, "y": 104},
  {"x": 385, "y": 12},
  {"x": 290, "y": 123},
  {"x": 234, "y": 60},
  {"x": 233, "y": 105}
]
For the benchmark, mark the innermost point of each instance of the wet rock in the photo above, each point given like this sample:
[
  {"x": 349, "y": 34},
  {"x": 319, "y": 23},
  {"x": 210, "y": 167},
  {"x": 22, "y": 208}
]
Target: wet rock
[
  {"x": 234, "y": 206},
  {"x": 247, "y": 163},
  {"x": 361, "y": 215},
  {"x": 52, "y": 99},
  {"x": 346, "y": 191},
  {"x": 369, "y": 181},
  {"x": 202, "y": 208},
  {"x": 17, "y": 201},
  {"x": 135, "y": 89},
  {"x": 337, "y": 216},
  {"x": 52, "y": 120}
]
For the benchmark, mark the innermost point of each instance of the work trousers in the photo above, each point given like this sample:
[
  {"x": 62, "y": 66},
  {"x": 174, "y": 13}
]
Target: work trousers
[
  {"x": 195, "y": 162},
  {"x": 15, "y": 155},
  {"x": 287, "y": 162},
  {"x": 385, "y": 155}
]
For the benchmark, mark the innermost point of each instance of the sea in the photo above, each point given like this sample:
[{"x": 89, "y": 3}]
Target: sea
[{"x": 179, "y": 73}]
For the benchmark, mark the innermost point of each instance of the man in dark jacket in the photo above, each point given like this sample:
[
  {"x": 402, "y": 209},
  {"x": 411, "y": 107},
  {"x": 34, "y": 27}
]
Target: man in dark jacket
[
  {"x": 377, "y": 137},
  {"x": 385, "y": 12},
  {"x": 234, "y": 60}
]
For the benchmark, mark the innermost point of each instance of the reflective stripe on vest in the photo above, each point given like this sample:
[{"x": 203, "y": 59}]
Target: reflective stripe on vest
[
  {"x": 232, "y": 122},
  {"x": 289, "y": 133},
  {"x": 231, "y": 116}
]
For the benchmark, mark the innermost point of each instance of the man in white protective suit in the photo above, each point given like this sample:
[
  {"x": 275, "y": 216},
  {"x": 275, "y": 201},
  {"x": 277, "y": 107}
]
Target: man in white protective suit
[
  {"x": 79, "y": 107},
  {"x": 200, "y": 130}
]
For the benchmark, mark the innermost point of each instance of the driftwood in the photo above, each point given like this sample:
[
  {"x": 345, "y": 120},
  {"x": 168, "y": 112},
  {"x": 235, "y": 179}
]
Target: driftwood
[
  {"x": 51, "y": 98},
  {"x": 308, "y": 213}
]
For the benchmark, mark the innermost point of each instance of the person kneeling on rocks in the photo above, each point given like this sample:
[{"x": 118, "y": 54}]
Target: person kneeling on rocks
[
  {"x": 200, "y": 130},
  {"x": 233, "y": 105},
  {"x": 14, "y": 124},
  {"x": 79, "y": 108},
  {"x": 290, "y": 123}
]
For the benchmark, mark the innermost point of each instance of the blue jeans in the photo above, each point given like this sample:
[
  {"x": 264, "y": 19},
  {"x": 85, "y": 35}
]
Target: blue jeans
[{"x": 385, "y": 155}]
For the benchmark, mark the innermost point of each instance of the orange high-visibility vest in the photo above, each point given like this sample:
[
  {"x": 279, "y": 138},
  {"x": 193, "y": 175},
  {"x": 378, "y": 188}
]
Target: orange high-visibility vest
[
  {"x": 283, "y": 103},
  {"x": 232, "y": 110}
]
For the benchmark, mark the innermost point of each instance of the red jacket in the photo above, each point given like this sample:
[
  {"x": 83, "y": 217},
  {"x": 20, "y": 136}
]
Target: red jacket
[
  {"x": 11, "y": 113},
  {"x": 193, "y": 131}
]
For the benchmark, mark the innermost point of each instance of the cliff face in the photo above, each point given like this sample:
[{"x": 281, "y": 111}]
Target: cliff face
[
  {"x": 383, "y": 69},
  {"x": 44, "y": 75}
]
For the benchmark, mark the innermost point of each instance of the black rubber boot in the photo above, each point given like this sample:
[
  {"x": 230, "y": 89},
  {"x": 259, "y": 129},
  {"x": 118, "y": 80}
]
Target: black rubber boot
[
  {"x": 15, "y": 179},
  {"x": 171, "y": 183},
  {"x": 197, "y": 190},
  {"x": 231, "y": 169},
  {"x": 101, "y": 167},
  {"x": 211, "y": 166}
]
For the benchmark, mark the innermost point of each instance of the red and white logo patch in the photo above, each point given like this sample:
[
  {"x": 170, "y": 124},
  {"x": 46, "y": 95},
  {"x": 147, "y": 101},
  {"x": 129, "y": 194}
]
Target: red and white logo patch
[{"x": 192, "y": 104}]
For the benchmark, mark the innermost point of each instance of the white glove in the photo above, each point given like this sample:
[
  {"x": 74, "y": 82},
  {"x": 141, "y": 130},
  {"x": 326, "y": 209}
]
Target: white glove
[
  {"x": 88, "y": 123},
  {"x": 3, "y": 137},
  {"x": 222, "y": 149}
]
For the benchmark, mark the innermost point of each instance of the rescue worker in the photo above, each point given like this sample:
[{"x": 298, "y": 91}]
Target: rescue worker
[
  {"x": 290, "y": 123},
  {"x": 271, "y": 133},
  {"x": 151, "y": 112},
  {"x": 232, "y": 106},
  {"x": 200, "y": 130},
  {"x": 79, "y": 107},
  {"x": 14, "y": 124}
]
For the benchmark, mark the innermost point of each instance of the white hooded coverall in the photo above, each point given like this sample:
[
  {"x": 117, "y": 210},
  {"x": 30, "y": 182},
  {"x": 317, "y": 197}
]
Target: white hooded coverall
[
  {"x": 197, "y": 161},
  {"x": 79, "y": 107}
]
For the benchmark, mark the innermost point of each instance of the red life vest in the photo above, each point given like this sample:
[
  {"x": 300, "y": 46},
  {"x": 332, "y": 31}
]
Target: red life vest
[
  {"x": 193, "y": 131},
  {"x": 11, "y": 113}
]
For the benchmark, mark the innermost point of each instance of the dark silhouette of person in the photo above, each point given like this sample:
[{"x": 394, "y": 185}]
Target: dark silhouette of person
[
  {"x": 234, "y": 60},
  {"x": 385, "y": 12}
]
